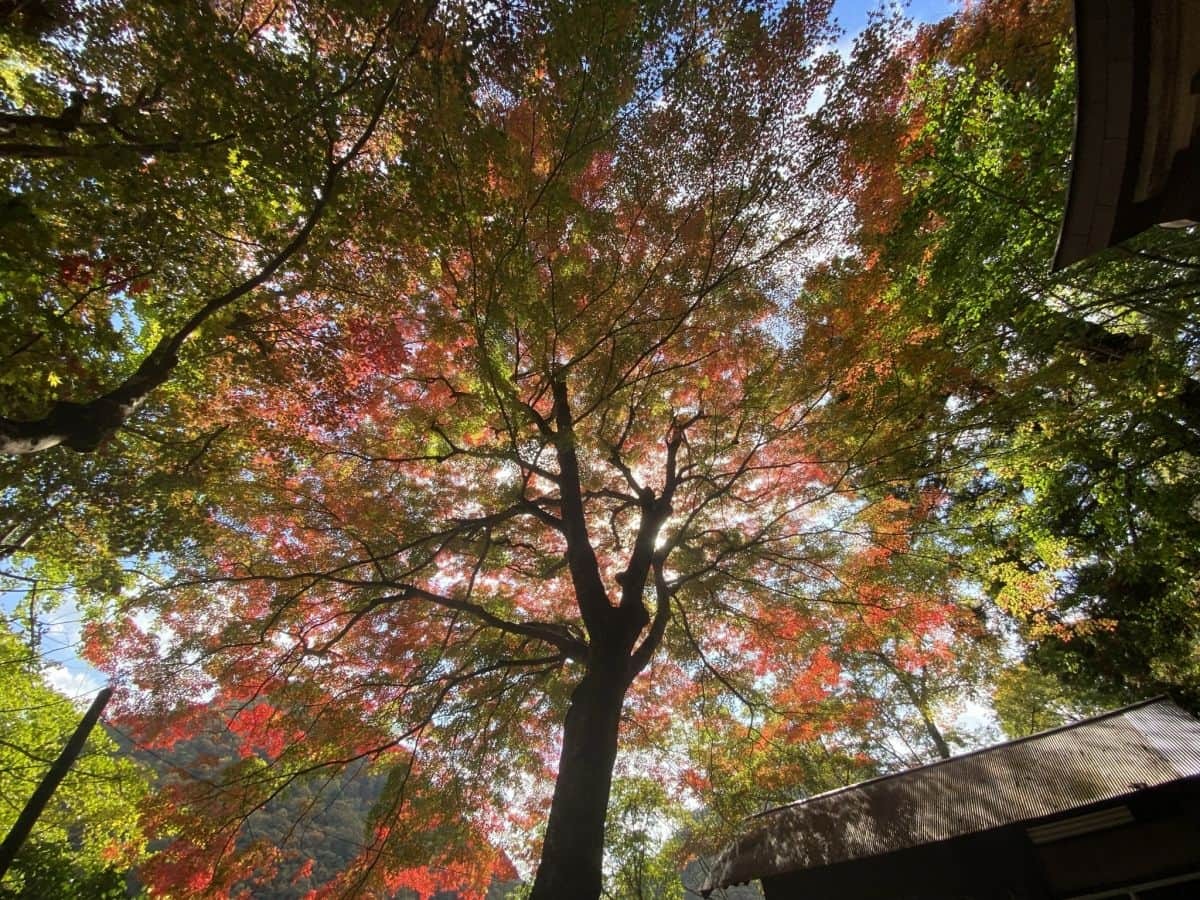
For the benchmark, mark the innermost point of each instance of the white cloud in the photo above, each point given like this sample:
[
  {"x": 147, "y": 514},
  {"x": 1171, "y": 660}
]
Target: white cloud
[{"x": 78, "y": 683}]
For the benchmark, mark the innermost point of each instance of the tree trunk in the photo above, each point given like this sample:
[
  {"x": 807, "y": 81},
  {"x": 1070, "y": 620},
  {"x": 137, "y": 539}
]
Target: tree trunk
[
  {"x": 918, "y": 700},
  {"x": 574, "y": 847},
  {"x": 935, "y": 733}
]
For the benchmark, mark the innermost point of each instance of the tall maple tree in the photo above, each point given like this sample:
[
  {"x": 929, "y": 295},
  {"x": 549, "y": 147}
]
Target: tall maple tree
[
  {"x": 472, "y": 397},
  {"x": 546, "y": 458}
]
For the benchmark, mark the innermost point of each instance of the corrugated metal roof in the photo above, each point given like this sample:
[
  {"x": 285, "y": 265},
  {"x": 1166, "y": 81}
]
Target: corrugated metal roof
[{"x": 1102, "y": 758}]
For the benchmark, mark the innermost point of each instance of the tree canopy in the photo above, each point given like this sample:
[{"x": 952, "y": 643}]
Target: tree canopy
[{"x": 568, "y": 412}]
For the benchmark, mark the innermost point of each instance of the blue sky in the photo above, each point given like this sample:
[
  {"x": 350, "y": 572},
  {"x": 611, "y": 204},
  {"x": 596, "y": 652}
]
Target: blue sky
[
  {"x": 852, "y": 14},
  {"x": 60, "y": 648}
]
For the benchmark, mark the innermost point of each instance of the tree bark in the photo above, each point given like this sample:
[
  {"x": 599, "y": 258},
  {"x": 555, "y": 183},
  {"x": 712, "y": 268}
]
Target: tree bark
[
  {"x": 84, "y": 426},
  {"x": 573, "y": 851},
  {"x": 935, "y": 733}
]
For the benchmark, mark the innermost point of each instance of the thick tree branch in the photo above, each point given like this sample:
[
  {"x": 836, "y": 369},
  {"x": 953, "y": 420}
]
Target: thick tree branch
[
  {"x": 655, "y": 512},
  {"x": 593, "y": 600},
  {"x": 663, "y": 595},
  {"x": 550, "y": 632}
]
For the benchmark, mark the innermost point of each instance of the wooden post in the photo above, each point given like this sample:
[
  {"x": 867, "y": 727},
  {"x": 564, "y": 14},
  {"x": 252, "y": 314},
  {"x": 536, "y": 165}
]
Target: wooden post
[{"x": 58, "y": 771}]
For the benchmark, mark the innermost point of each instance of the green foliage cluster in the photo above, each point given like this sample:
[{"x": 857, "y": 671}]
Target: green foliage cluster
[
  {"x": 90, "y": 834},
  {"x": 1059, "y": 411},
  {"x": 1028, "y": 700}
]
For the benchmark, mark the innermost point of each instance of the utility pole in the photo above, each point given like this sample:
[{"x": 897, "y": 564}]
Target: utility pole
[{"x": 58, "y": 771}]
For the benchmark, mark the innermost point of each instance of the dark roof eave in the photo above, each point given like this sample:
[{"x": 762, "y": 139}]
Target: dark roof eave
[
  {"x": 1136, "y": 158},
  {"x": 1112, "y": 755}
]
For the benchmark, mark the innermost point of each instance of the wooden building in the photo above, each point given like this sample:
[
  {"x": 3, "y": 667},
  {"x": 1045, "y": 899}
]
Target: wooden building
[
  {"x": 1136, "y": 161},
  {"x": 1106, "y": 807}
]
